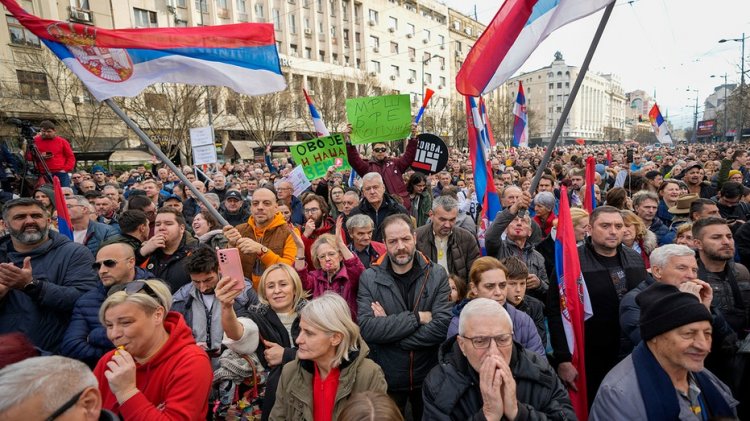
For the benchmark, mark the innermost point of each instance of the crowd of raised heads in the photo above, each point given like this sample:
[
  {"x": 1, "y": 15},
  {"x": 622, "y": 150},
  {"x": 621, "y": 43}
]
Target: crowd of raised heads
[{"x": 387, "y": 294}]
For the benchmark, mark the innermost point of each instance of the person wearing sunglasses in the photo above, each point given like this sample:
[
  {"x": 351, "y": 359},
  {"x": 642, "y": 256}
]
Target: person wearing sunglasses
[
  {"x": 51, "y": 388},
  {"x": 85, "y": 338},
  {"x": 157, "y": 370},
  {"x": 485, "y": 374},
  {"x": 391, "y": 169}
]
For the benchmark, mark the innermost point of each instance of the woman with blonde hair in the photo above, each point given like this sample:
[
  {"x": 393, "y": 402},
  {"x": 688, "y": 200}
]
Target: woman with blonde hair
[
  {"x": 637, "y": 236},
  {"x": 370, "y": 406},
  {"x": 581, "y": 225},
  {"x": 331, "y": 364},
  {"x": 270, "y": 328},
  {"x": 157, "y": 371}
]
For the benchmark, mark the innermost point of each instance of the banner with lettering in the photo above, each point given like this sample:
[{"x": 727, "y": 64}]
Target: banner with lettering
[
  {"x": 317, "y": 155},
  {"x": 379, "y": 119}
]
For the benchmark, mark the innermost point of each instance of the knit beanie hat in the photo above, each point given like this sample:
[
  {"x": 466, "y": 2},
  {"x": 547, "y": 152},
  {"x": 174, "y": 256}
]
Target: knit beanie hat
[
  {"x": 664, "y": 307},
  {"x": 49, "y": 192},
  {"x": 545, "y": 199},
  {"x": 734, "y": 172}
]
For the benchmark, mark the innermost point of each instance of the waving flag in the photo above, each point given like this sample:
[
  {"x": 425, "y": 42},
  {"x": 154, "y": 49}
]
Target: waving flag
[
  {"x": 609, "y": 157},
  {"x": 64, "y": 226},
  {"x": 575, "y": 305},
  {"x": 123, "y": 62},
  {"x": 427, "y": 95},
  {"x": 486, "y": 120},
  {"x": 520, "y": 124},
  {"x": 320, "y": 127},
  {"x": 514, "y": 33},
  {"x": 589, "y": 202},
  {"x": 660, "y": 125},
  {"x": 483, "y": 183}
]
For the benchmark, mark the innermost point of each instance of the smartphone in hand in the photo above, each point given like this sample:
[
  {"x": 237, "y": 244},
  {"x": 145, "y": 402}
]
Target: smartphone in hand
[{"x": 230, "y": 265}]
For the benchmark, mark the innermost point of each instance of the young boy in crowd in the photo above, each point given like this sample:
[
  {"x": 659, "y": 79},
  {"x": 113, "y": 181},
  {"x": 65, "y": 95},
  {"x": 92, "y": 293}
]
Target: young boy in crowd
[{"x": 516, "y": 294}]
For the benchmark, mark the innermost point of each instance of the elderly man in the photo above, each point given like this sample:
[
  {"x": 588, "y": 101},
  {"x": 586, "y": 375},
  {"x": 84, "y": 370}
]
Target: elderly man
[
  {"x": 285, "y": 193},
  {"x": 645, "y": 205},
  {"x": 51, "y": 388},
  {"x": 86, "y": 338},
  {"x": 87, "y": 231},
  {"x": 403, "y": 312},
  {"x": 484, "y": 374},
  {"x": 234, "y": 208},
  {"x": 360, "y": 228},
  {"x": 452, "y": 247},
  {"x": 664, "y": 378},
  {"x": 350, "y": 201},
  {"x": 377, "y": 204},
  {"x": 42, "y": 274}
]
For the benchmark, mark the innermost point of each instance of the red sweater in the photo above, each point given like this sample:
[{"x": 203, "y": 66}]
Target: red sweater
[
  {"x": 173, "y": 385},
  {"x": 62, "y": 159}
]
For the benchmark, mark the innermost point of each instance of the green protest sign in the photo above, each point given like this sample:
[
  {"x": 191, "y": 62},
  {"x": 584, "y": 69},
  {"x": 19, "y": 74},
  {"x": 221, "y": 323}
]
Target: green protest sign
[
  {"x": 317, "y": 155},
  {"x": 379, "y": 119}
]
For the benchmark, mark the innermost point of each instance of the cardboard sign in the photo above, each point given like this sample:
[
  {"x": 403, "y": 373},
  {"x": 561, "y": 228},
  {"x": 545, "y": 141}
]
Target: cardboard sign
[
  {"x": 317, "y": 155},
  {"x": 432, "y": 154},
  {"x": 379, "y": 119}
]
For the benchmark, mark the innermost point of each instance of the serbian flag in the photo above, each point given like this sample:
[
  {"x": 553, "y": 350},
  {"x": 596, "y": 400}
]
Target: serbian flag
[
  {"x": 484, "y": 187},
  {"x": 589, "y": 202},
  {"x": 575, "y": 306},
  {"x": 514, "y": 33},
  {"x": 609, "y": 157},
  {"x": 320, "y": 127},
  {"x": 486, "y": 120},
  {"x": 64, "y": 226},
  {"x": 123, "y": 62},
  {"x": 660, "y": 125},
  {"x": 520, "y": 124}
]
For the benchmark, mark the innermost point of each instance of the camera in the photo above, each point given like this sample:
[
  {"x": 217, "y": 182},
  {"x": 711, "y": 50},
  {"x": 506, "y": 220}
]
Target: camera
[{"x": 28, "y": 131}]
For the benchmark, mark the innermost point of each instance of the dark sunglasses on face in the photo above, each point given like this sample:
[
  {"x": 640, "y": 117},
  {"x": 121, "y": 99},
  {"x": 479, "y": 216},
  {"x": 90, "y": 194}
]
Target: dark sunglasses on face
[
  {"x": 110, "y": 263},
  {"x": 379, "y": 150},
  {"x": 135, "y": 287}
]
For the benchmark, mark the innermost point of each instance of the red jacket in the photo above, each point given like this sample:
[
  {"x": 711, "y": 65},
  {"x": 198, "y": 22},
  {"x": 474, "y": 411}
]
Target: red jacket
[
  {"x": 327, "y": 227},
  {"x": 62, "y": 159},
  {"x": 173, "y": 385},
  {"x": 345, "y": 282},
  {"x": 392, "y": 170}
]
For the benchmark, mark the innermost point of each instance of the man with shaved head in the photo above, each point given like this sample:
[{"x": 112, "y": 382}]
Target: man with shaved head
[
  {"x": 86, "y": 338},
  {"x": 264, "y": 239}
]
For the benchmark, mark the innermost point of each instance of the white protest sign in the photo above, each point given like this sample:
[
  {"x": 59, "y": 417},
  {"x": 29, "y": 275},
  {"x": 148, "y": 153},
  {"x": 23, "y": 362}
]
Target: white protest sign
[
  {"x": 202, "y": 142},
  {"x": 201, "y": 136},
  {"x": 204, "y": 155},
  {"x": 299, "y": 180}
]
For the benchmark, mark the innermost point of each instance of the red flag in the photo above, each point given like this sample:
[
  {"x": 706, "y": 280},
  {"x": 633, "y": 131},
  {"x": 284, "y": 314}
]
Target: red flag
[
  {"x": 575, "y": 306},
  {"x": 609, "y": 157},
  {"x": 589, "y": 202}
]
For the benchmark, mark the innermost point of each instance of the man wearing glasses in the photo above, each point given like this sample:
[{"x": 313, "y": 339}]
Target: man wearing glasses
[
  {"x": 86, "y": 338},
  {"x": 42, "y": 274},
  {"x": 391, "y": 169},
  {"x": 483, "y": 374}
]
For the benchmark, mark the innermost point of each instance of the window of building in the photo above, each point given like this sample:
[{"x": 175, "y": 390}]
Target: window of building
[
  {"x": 392, "y": 23},
  {"x": 426, "y": 34},
  {"x": 277, "y": 19},
  {"x": 241, "y": 7},
  {"x": 411, "y": 29},
  {"x": 293, "y": 50},
  {"x": 412, "y": 53},
  {"x": 426, "y": 56},
  {"x": 308, "y": 53},
  {"x": 33, "y": 84},
  {"x": 567, "y": 84},
  {"x": 442, "y": 80},
  {"x": 559, "y": 85},
  {"x": 357, "y": 39},
  {"x": 375, "y": 66},
  {"x": 374, "y": 42},
  {"x": 395, "y": 71},
  {"x": 222, "y": 4},
  {"x": 552, "y": 86},
  {"x": 20, "y": 35},
  {"x": 459, "y": 46},
  {"x": 394, "y": 47},
  {"x": 259, "y": 10},
  {"x": 345, "y": 10},
  {"x": 201, "y": 5},
  {"x": 333, "y": 31},
  {"x": 359, "y": 63},
  {"x": 428, "y": 77},
  {"x": 292, "y": 24},
  {"x": 332, "y": 7},
  {"x": 335, "y": 58},
  {"x": 357, "y": 11},
  {"x": 413, "y": 74},
  {"x": 373, "y": 15},
  {"x": 441, "y": 60},
  {"x": 441, "y": 39},
  {"x": 321, "y": 55},
  {"x": 144, "y": 18},
  {"x": 551, "y": 98},
  {"x": 346, "y": 38}
]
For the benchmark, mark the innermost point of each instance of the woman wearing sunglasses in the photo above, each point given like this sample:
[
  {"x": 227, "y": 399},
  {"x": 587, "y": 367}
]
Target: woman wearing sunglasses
[{"x": 157, "y": 371}]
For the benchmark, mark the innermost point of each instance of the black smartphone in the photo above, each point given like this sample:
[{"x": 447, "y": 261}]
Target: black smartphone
[{"x": 629, "y": 156}]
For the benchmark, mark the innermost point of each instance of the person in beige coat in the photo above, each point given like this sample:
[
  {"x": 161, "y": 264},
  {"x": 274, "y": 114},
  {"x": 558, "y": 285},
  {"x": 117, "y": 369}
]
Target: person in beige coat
[{"x": 331, "y": 364}]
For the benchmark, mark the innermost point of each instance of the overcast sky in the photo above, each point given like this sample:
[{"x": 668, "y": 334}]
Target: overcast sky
[{"x": 661, "y": 46}]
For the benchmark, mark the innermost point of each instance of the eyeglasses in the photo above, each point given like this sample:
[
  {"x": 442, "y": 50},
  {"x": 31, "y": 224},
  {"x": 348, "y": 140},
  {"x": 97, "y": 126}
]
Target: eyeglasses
[
  {"x": 483, "y": 342},
  {"x": 136, "y": 287},
  {"x": 110, "y": 263},
  {"x": 67, "y": 405},
  {"x": 379, "y": 149},
  {"x": 312, "y": 210}
]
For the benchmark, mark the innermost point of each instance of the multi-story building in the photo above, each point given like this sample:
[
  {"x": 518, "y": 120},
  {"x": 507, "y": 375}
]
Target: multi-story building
[
  {"x": 717, "y": 101},
  {"x": 597, "y": 114},
  {"x": 336, "y": 49}
]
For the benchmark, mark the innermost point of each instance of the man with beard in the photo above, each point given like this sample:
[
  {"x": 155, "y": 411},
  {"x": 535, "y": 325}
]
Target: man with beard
[
  {"x": 55, "y": 151},
  {"x": 691, "y": 175},
  {"x": 197, "y": 303},
  {"x": 609, "y": 270},
  {"x": 234, "y": 209},
  {"x": 167, "y": 249},
  {"x": 404, "y": 312},
  {"x": 318, "y": 223},
  {"x": 42, "y": 274},
  {"x": 86, "y": 338},
  {"x": 730, "y": 281}
]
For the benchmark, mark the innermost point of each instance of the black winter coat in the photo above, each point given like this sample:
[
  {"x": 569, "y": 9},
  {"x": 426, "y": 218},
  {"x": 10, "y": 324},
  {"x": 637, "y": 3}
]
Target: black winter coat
[
  {"x": 451, "y": 390},
  {"x": 387, "y": 208},
  {"x": 462, "y": 249}
]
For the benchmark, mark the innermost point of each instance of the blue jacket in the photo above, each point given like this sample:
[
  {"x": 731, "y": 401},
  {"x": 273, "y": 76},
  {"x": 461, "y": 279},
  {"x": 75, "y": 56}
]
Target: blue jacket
[
  {"x": 96, "y": 234},
  {"x": 663, "y": 234},
  {"x": 63, "y": 269},
  {"x": 85, "y": 338},
  {"x": 662, "y": 213},
  {"x": 298, "y": 214}
]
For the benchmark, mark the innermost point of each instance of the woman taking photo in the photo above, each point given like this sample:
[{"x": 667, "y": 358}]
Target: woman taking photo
[
  {"x": 157, "y": 371},
  {"x": 421, "y": 198},
  {"x": 272, "y": 326},
  {"x": 331, "y": 364}
]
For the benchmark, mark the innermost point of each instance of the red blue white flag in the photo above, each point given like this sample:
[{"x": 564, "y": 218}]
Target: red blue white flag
[
  {"x": 320, "y": 127},
  {"x": 661, "y": 130},
  {"x": 520, "y": 123},
  {"x": 589, "y": 201},
  {"x": 486, "y": 121},
  {"x": 575, "y": 305},
  {"x": 64, "y": 225},
  {"x": 123, "y": 62},
  {"x": 514, "y": 33}
]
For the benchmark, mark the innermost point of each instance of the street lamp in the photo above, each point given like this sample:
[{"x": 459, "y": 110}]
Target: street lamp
[
  {"x": 726, "y": 106},
  {"x": 738, "y": 135},
  {"x": 693, "y": 138}
]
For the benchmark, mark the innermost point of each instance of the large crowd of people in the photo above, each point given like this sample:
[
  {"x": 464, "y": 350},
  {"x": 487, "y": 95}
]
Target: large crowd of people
[{"x": 389, "y": 298}]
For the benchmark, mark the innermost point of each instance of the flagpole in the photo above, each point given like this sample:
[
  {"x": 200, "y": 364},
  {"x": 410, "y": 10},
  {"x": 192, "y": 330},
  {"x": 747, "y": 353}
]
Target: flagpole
[
  {"x": 571, "y": 97},
  {"x": 157, "y": 151}
]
